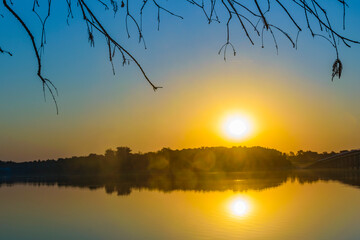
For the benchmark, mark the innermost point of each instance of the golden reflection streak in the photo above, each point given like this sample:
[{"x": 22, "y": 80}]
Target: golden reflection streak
[{"x": 239, "y": 206}]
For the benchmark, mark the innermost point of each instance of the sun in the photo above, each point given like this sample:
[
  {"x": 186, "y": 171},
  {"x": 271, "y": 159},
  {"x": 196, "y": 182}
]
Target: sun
[{"x": 236, "y": 126}]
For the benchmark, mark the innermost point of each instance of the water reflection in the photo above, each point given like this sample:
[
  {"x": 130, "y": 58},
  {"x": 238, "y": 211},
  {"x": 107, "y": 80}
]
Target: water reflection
[
  {"x": 239, "y": 206},
  {"x": 279, "y": 206},
  {"x": 188, "y": 181}
]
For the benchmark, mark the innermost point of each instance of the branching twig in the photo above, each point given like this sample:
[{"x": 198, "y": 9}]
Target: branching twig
[{"x": 46, "y": 83}]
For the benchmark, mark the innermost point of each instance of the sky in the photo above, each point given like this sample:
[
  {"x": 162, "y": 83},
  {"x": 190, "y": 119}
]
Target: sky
[{"x": 289, "y": 97}]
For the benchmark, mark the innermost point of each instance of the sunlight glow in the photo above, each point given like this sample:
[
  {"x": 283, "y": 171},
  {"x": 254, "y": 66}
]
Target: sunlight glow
[
  {"x": 236, "y": 126},
  {"x": 239, "y": 207}
]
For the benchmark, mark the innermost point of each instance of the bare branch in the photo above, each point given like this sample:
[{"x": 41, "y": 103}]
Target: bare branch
[
  {"x": 45, "y": 82},
  {"x": 4, "y": 51}
]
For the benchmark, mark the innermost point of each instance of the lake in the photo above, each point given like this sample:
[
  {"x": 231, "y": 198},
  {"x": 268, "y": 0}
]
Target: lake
[{"x": 305, "y": 205}]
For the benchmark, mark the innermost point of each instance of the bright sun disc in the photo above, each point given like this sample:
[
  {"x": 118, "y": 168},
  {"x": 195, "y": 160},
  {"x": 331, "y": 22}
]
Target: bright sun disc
[{"x": 236, "y": 127}]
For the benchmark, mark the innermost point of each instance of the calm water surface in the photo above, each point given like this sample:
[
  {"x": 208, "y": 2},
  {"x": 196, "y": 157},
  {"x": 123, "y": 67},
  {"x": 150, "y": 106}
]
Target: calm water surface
[{"x": 289, "y": 210}]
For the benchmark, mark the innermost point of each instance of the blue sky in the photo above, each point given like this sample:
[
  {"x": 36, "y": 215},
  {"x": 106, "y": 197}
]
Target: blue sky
[{"x": 290, "y": 95}]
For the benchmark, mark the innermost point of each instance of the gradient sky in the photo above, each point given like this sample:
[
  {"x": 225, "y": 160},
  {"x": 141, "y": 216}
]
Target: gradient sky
[{"x": 290, "y": 97}]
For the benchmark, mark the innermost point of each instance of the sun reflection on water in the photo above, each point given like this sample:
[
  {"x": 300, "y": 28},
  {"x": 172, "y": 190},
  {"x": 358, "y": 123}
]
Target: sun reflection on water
[{"x": 239, "y": 207}]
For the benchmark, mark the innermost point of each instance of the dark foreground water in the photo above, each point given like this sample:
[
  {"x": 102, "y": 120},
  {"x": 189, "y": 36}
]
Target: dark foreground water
[{"x": 303, "y": 205}]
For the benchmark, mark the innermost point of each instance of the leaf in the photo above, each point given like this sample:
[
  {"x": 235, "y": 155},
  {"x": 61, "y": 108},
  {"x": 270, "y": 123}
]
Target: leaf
[{"x": 337, "y": 69}]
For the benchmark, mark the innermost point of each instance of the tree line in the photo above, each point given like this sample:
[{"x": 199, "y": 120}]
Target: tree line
[{"x": 165, "y": 161}]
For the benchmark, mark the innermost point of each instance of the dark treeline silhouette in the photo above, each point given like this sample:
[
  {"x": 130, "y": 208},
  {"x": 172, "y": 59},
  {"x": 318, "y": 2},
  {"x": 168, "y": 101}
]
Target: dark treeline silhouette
[
  {"x": 203, "y": 182},
  {"x": 166, "y": 161}
]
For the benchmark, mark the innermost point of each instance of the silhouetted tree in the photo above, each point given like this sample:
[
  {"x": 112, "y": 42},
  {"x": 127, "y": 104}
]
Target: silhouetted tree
[
  {"x": 123, "y": 158},
  {"x": 254, "y": 16}
]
